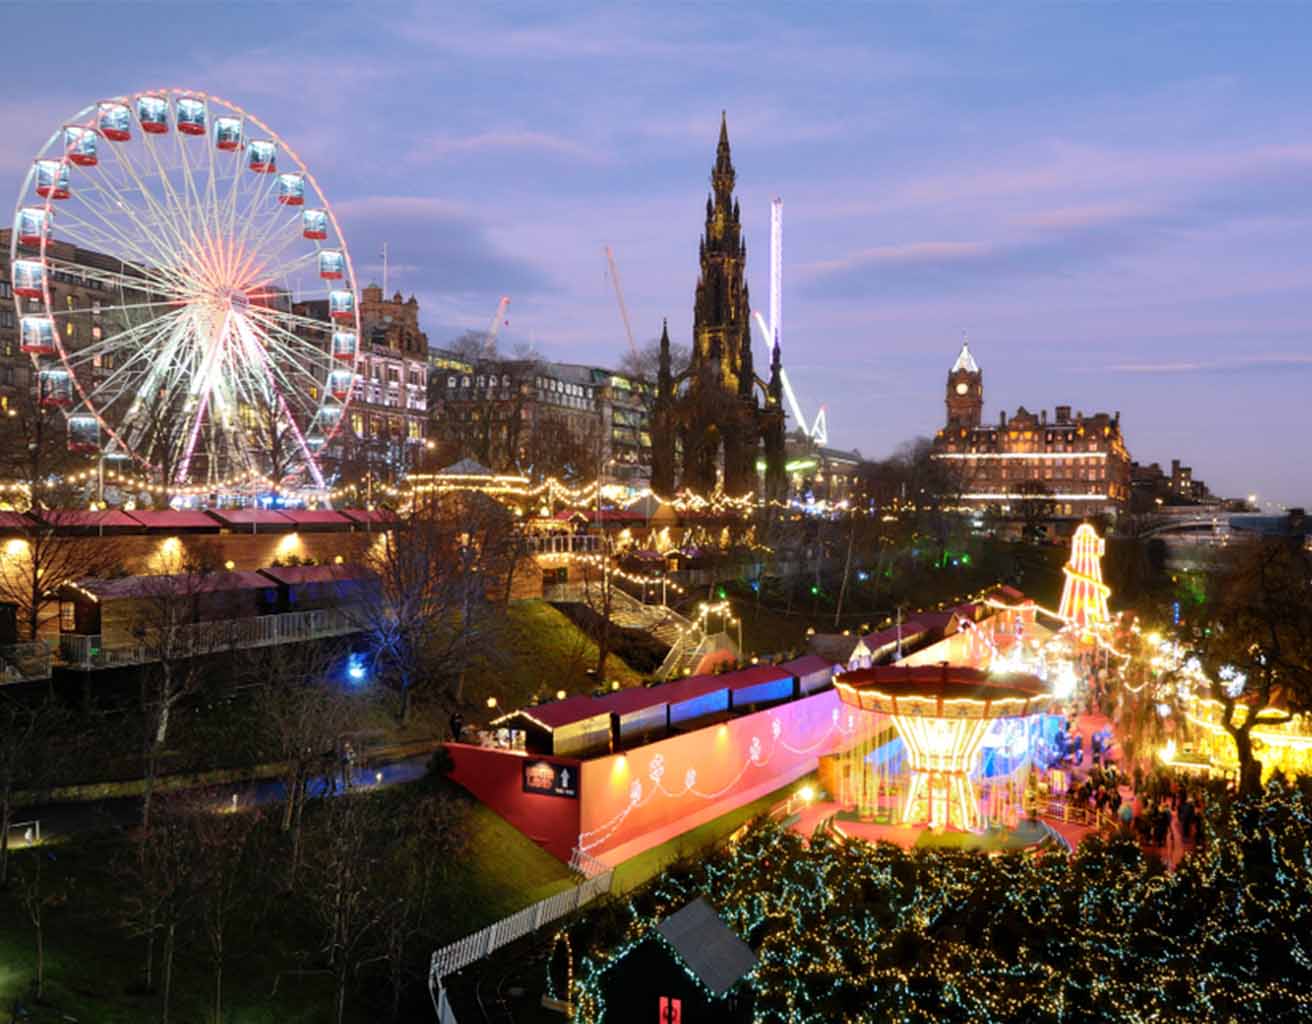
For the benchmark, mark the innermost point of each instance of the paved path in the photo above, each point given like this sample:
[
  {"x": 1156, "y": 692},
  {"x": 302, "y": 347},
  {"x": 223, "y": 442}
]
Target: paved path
[{"x": 60, "y": 820}]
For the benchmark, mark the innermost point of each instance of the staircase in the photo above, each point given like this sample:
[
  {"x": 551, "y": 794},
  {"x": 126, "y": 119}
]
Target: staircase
[{"x": 660, "y": 622}]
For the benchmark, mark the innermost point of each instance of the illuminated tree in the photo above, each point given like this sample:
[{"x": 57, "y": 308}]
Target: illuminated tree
[{"x": 1255, "y": 644}]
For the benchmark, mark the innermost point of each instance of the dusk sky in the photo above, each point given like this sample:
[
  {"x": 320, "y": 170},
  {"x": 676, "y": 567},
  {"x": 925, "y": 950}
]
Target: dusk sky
[{"x": 1114, "y": 201}]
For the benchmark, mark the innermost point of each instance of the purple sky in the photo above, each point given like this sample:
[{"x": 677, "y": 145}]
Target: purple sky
[{"x": 1115, "y": 202}]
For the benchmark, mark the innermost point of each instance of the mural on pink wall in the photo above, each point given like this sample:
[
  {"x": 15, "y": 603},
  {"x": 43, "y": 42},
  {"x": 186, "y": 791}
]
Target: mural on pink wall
[{"x": 639, "y": 798}]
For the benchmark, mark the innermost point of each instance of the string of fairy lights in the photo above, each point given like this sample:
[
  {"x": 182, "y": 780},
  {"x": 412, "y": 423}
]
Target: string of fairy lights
[{"x": 1223, "y": 937}]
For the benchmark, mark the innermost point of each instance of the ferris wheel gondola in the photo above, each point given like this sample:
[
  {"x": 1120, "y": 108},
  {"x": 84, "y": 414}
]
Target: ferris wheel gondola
[{"x": 225, "y": 316}]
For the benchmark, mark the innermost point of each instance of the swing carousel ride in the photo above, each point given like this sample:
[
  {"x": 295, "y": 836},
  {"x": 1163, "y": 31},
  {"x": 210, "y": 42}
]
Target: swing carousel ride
[{"x": 958, "y": 729}]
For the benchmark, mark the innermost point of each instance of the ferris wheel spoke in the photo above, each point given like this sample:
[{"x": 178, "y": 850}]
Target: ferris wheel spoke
[
  {"x": 102, "y": 390},
  {"x": 139, "y": 334},
  {"x": 169, "y": 198},
  {"x": 160, "y": 211},
  {"x": 116, "y": 234},
  {"x": 146, "y": 282},
  {"x": 325, "y": 327}
]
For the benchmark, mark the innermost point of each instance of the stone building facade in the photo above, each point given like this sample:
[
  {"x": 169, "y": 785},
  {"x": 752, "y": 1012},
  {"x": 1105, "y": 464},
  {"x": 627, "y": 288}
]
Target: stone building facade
[
  {"x": 529, "y": 415},
  {"x": 1079, "y": 462},
  {"x": 388, "y": 415}
]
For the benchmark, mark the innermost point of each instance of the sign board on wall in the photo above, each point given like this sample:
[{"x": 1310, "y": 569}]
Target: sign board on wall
[{"x": 547, "y": 779}]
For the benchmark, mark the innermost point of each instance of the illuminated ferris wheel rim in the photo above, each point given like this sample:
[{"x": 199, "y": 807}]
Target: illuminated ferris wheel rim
[{"x": 153, "y": 278}]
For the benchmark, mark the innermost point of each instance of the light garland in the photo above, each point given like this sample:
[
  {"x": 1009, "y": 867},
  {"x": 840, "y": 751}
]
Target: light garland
[
  {"x": 757, "y": 757},
  {"x": 1223, "y": 937}
]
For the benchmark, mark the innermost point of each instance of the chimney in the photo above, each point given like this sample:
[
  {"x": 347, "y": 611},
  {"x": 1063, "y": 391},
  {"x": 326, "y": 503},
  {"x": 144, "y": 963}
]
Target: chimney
[
  {"x": 1063, "y": 413},
  {"x": 1043, "y": 417}
]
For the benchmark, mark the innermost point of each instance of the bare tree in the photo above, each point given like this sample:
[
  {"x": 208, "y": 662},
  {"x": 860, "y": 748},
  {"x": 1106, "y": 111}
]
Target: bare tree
[
  {"x": 422, "y": 849},
  {"x": 301, "y": 716},
  {"x": 37, "y": 896},
  {"x": 937, "y": 487},
  {"x": 158, "y": 876},
  {"x": 48, "y": 549},
  {"x": 429, "y": 608},
  {"x": 226, "y": 845},
  {"x": 1255, "y": 644},
  {"x": 1037, "y": 507},
  {"x": 27, "y": 731},
  {"x": 644, "y": 366},
  {"x": 344, "y": 866},
  {"x": 564, "y": 448},
  {"x": 274, "y": 436},
  {"x": 169, "y": 624},
  {"x": 161, "y": 416}
]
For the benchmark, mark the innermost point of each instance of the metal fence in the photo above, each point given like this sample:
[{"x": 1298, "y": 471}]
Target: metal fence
[
  {"x": 200, "y": 638},
  {"x": 472, "y": 948}
]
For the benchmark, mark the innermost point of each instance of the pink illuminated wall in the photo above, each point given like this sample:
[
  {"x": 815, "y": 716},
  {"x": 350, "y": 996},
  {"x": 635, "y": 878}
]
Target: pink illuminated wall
[{"x": 637, "y": 800}]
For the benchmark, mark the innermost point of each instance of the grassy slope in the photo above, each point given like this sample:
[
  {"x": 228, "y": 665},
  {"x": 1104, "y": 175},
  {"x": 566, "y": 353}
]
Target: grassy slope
[{"x": 542, "y": 652}]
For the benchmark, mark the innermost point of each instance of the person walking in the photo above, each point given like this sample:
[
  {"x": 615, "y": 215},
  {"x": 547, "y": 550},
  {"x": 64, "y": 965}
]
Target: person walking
[{"x": 1172, "y": 834}]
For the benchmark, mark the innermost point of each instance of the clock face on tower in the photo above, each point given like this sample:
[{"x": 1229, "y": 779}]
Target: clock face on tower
[{"x": 962, "y": 387}]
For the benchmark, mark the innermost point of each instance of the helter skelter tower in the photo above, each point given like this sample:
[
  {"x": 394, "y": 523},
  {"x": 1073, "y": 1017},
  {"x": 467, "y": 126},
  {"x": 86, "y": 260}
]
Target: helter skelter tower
[{"x": 1084, "y": 597}]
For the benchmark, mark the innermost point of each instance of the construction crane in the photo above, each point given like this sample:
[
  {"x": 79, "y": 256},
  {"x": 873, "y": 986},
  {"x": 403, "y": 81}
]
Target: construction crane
[
  {"x": 490, "y": 345},
  {"x": 619, "y": 297},
  {"x": 772, "y": 332}
]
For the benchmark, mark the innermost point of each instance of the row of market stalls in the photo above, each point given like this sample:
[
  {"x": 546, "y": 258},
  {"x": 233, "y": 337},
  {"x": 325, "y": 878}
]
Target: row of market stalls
[
  {"x": 98, "y": 617},
  {"x": 584, "y": 725},
  {"x": 113, "y": 522}
]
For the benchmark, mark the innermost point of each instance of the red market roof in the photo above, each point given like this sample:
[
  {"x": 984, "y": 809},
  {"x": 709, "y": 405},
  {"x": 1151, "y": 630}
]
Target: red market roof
[
  {"x": 14, "y": 521},
  {"x": 754, "y": 676},
  {"x": 557, "y": 714},
  {"x": 911, "y": 630},
  {"x": 315, "y": 517},
  {"x": 67, "y": 517},
  {"x": 560, "y": 713},
  {"x": 369, "y": 515},
  {"x": 251, "y": 517},
  {"x": 626, "y": 702},
  {"x": 170, "y": 585},
  {"x": 173, "y": 519},
  {"x": 807, "y": 664}
]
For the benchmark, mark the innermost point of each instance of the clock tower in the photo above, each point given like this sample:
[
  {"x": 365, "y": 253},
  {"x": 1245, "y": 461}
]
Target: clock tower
[{"x": 965, "y": 398}]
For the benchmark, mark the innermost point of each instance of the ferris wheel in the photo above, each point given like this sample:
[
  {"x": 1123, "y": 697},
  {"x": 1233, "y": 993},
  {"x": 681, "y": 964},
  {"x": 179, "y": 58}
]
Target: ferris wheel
[{"x": 185, "y": 292}]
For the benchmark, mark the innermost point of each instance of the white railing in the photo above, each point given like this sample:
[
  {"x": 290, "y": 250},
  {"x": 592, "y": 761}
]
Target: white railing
[
  {"x": 202, "y": 638},
  {"x": 563, "y": 544},
  {"x": 460, "y": 954},
  {"x": 586, "y": 865}
]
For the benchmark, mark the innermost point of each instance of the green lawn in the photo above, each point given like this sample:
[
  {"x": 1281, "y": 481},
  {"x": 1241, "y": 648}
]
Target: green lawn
[
  {"x": 505, "y": 870},
  {"x": 541, "y": 652}
]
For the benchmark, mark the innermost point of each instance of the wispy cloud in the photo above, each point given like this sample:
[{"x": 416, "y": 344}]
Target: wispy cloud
[
  {"x": 446, "y": 243},
  {"x": 1239, "y": 364}
]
